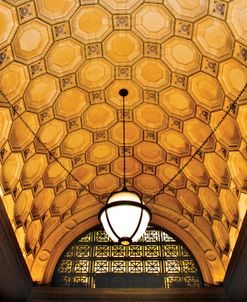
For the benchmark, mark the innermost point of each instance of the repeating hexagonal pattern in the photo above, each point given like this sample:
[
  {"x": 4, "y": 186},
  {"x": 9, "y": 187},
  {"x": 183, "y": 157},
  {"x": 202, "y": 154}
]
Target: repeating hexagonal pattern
[{"x": 62, "y": 64}]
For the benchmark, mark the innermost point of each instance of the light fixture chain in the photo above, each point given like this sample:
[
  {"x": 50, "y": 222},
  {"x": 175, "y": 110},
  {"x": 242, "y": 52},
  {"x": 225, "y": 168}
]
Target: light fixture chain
[
  {"x": 124, "y": 144},
  {"x": 201, "y": 146}
]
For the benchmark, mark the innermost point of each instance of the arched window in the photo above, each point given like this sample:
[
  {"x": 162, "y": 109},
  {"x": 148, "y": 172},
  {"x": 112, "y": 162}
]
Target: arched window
[{"x": 157, "y": 260}]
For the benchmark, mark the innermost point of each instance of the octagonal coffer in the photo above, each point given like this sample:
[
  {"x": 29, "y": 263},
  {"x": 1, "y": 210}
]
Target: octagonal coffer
[
  {"x": 13, "y": 81},
  {"x": 64, "y": 57},
  {"x": 177, "y": 103},
  {"x": 119, "y": 6},
  {"x": 153, "y": 22},
  {"x": 71, "y": 103},
  {"x": 174, "y": 142},
  {"x": 232, "y": 77},
  {"x": 76, "y": 142},
  {"x": 56, "y": 10},
  {"x": 91, "y": 24},
  {"x": 151, "y": 117},
  {"x": 181, "y": 56},
  {"x": 8, "y": 23},
  {"x": 122, "y": 48},
  {"x": 32, "y": 41},
  {"x": 95, "y": 73},
  {"x": 133, "y": 134},
  {"x": 151, "y": 74},
  {"x": 188, "y": 10},
  {"x": 213, "y": 38},
  {"x": 236, "y": 18},
  {"x": 41, "y": 93}
]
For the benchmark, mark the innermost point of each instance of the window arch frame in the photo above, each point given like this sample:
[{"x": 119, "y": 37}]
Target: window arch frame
[{"x": 160, "y": 259}]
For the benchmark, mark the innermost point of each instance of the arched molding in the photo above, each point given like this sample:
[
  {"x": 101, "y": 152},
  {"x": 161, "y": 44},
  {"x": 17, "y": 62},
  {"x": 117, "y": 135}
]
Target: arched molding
[
  {"x": 54, "y": 245},
  {"x": 201, "y": 247}
]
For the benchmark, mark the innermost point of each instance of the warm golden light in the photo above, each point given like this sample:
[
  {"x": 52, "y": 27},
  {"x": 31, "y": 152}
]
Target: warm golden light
[{"x": 125, "y": 218}]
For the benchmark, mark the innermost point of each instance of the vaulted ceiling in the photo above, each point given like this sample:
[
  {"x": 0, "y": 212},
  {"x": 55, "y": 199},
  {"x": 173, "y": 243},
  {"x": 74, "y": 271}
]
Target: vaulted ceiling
[{"x": 62, "y": 64}]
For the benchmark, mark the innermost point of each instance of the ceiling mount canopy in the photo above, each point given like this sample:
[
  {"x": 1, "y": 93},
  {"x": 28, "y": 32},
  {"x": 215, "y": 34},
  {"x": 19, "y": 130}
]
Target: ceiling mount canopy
[{"x": 124, "y": 217}]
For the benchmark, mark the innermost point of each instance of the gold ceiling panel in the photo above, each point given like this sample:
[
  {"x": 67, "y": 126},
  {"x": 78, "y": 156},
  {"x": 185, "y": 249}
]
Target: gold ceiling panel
[
  {"x": 102, "y": 183},
  {"x": 213, "y": 38},
  {"x": 206, "y": 91},
  {"x": 181, "y": 56},
  {"x": 177, "y": 102},
  {"x": 237, "y": 19},
  {"x": 150, "y": 116},
  {"x": 41, "y": 93},
  {"x": 132, "y": 137},
  {"x": 166, "y": 171},
  {"x": 5, "y": 125},
  {"x": 228, "y": 133},
  {"x": 116, "y": 6},
  {"x": 56, "y": 172},
  {"x": 151, "y": 74},
  {"x": 84, "y": 173},
  {"x": 149, "y": 153},
  {"x": 190, "y": 201},
  {"x": 232, "y": 75},
  {"x": 102, "y": 153},
  {"x": 241, "y": 120},
  {"x": 221, "y": 235},
  {"x": 71, "y": 103},
  {"x": 51, "y": 134},
  {"x": 217, "y": 167},
  {"x": 76, "y": 142},
  {"x": 187, "y": 9},
  {"x": 11, "y": 171},
  {"x": 134, "y": 96},
  {"x": 42, "y": 202},
  {"x": 196, "y": 172},
  {"x": 23, "y": 206},
  {"x": 63, "y": 202},
  {"x": 62, "y": 64},
  {"x": 83, "y": 202},
  {"x": 91, "y": 24},
  {"x": 198, "y": 137},
  {"x": 54, "y": 11},
  {"x": 238, "y": 168},
  {"x": 212, "y": 207},
  {"x": 147, "y": 184},
  {"x": 33, "y": 234},
  {"x": 153, "y": 22},
  {"x": 122, "y": 47},
  {"x": 64, "y": 57},
  {"x": 99, "y": 117},
  {"x": 8, "y": 23},
  {"x": 229, "y": 205},
  {"x": 33, "y": 169},
  {"x": 20, "y": 136},
  {"x": 133, "y": 167},
  {"x": 15, "y": 79},
  {"x": 174, "y": 142},
  {"x": 95, "y": 74},
  {"x": 31, "y": 41}
]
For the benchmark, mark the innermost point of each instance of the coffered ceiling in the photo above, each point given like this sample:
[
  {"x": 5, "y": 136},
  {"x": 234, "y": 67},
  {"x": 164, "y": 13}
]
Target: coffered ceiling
[{"x": 62, "y": 64}]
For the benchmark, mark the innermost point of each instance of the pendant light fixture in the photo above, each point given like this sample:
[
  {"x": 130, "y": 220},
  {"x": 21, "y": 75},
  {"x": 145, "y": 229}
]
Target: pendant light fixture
[{"x": 124, "y": 217}]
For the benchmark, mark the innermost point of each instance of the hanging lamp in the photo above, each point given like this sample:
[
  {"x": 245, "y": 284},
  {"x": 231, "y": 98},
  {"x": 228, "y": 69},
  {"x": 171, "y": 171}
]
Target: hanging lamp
[{"x": 124, "y": 217}]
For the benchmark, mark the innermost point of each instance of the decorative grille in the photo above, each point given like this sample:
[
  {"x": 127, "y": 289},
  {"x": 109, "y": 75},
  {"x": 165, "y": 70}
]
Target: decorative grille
[{"x": 157, "y": 260}]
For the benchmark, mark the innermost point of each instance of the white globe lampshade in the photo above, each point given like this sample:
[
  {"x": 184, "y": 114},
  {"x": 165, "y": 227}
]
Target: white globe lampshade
[{"x": 124, "y": 217}]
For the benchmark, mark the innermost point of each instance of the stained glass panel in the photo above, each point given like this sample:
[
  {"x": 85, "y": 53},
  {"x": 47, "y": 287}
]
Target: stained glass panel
[
  {"x": 135, "y": 266},
  {"x": 157, "y": 260}
]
